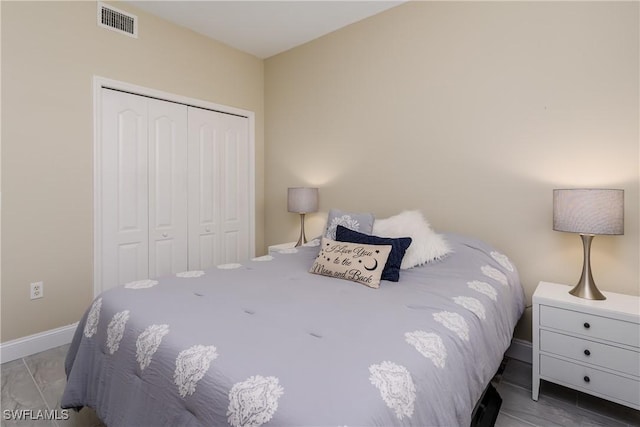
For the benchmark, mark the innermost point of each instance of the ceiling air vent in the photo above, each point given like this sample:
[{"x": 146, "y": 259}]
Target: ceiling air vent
[{"x": 117, "y": 20}]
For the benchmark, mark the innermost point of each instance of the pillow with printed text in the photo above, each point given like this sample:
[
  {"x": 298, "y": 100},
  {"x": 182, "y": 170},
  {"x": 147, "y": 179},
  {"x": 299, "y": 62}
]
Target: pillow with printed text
[{"x": 351, "y": 261}]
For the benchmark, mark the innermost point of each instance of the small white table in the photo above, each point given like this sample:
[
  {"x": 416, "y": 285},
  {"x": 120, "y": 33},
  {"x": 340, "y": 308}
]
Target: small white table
[{"x": 590, "y": 346}]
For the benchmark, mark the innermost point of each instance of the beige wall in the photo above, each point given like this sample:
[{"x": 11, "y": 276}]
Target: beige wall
[
  {"x": 50, "y": 51},
  {"x": 473, "y": 113}
]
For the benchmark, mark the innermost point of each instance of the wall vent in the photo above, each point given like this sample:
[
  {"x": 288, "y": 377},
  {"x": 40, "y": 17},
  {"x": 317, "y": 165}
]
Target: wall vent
[{"x": 117, "y": 20}]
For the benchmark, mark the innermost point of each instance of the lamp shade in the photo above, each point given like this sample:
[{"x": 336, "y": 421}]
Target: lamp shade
[
  {"x": 589, "y": 211},
  {"x": 302, "y": 199}
]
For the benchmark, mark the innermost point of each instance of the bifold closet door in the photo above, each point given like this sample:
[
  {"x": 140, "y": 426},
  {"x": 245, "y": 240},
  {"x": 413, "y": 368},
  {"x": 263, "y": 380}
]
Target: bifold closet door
[
  {"x": 124, "y": 182},
  {"x": 218, "y": 188},
  {"x": 167, "y": 188},
  {"x": 143, "y": 195}
]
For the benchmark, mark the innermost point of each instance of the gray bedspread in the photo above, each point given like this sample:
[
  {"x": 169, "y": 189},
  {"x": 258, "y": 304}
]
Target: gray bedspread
[{"x": 269, "y": 343}]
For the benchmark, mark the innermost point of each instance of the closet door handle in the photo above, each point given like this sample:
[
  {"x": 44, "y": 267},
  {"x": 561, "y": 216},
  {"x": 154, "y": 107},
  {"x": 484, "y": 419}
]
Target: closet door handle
[
  {"x": 587, "y": 353},
  {"x": 586, "y": 325},
  {"x": 586, "y": 379}
]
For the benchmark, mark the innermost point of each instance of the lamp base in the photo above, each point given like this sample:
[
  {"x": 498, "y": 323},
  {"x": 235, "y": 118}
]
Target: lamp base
[
  {"x": 586, "y": 287},
  {"x": 587, "y": 291},
  {"x": 302, "y": 239}
]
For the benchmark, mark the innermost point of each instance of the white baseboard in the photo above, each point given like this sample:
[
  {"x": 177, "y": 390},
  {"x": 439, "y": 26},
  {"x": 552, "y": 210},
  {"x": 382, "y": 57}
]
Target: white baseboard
[
  {"x": 32, "y": 344},
  {"x": 520, "y": 350}
]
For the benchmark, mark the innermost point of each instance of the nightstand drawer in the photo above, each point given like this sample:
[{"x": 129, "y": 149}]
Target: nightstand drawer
[
  {"x": 591, "y": 380},
  {"x": 595, "y": 353},
  {"x": 604, "y": 328}
]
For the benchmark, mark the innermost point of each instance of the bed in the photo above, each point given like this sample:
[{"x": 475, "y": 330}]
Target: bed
[{"x": 268, "y": 343}]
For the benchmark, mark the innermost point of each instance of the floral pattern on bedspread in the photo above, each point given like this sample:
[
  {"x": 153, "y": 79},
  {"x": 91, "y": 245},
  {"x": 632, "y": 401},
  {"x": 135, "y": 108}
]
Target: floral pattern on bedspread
[
  {"x": 141, "y": 284},
  {"x": 473, "y": 305},
  {"x": 454, "y": 322},
  {"x": 396, "y": 387},
  {"x": 191, "y": 365},
  {"x": 254, "y": 401},
  {"x": 503, "y": 260},
  {"x": 190, "y": 274},
  {"x": 495, "y": 274},
  {"x": 115, "y": 331},
  {"x": 148, "y": 342},
  {"x": 430, "y": 345},
  {"x": 91, "y": 325},
  {"x": 484, "y": 288}
]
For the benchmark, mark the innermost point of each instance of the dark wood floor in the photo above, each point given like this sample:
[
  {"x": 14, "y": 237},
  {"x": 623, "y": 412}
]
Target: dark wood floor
[{"x": 37, "y": 382}]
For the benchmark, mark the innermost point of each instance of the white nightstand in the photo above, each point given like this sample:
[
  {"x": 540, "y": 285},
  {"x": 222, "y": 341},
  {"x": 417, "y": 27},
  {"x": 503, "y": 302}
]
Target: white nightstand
[
  {"x": 281, "y": 246},
  {"x": 591, "y": 346}
]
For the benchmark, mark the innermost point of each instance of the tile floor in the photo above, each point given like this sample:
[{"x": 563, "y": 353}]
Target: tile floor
[
  {"x": 556, "y": 405},
  {"x": 37, "y": 382}
]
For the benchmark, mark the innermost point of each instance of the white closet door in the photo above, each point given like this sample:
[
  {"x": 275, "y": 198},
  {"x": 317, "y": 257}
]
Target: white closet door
[
  {"x": 167, "y": 188},
  {"x": 204, "y": 176},
  {"x": 218, "y": 188},
  {"x": 234, "y": 215},
  {"x": 124, "y": 196}
]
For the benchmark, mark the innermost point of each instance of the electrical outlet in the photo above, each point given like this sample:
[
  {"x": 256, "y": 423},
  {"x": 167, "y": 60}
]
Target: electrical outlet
[{"x": 37, "y": 290}]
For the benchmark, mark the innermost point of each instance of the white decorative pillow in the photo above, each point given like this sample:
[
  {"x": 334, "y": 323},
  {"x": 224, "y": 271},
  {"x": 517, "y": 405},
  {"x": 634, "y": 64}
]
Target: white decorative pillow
[
  {"x": 361, "y": 222},
  {"x": 426, "y": 245},
  {"x": 351, "y": 261}
]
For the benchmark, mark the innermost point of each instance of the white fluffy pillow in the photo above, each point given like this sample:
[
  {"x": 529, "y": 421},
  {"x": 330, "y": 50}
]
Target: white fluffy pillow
[{"x": 426, "y": 246}]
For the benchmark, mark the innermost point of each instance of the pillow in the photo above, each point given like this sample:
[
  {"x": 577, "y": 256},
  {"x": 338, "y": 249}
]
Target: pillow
[
  {"x": 426, "y": 246},
  {"x": 399, "y": 246},
  {"x": 351, "y": 261},
  {"x": 362, "y": 222}
]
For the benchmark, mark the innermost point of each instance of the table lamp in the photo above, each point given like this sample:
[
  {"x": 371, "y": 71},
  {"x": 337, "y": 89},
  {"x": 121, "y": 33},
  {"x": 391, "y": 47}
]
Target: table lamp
[
  {"x": 588, "y": 212},
  {"x": 302, "y": 200}
]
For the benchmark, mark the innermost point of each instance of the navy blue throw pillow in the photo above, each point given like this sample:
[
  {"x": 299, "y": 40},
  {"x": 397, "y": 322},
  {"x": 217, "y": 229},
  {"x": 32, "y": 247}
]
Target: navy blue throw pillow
[{"x": 399, "y": 246}]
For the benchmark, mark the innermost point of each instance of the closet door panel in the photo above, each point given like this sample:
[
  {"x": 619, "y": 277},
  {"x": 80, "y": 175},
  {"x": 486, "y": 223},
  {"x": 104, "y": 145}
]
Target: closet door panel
[
  {"x": 207, "y": 250},
  {"x": 167, "y": 188},
  {"x": 231, "y": 248},
  {"x": 130, "y": 263},
  {"x": 204, "y": 243},
  {"x": 235, "y": 185},
  {"x": 209, "y": 175},
  {"x": 204, "y": 194},
  {"x": 124, "y": 203}
]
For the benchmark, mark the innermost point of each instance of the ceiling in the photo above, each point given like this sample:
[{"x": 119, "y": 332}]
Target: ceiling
[{"x": 264, "y": 28}]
